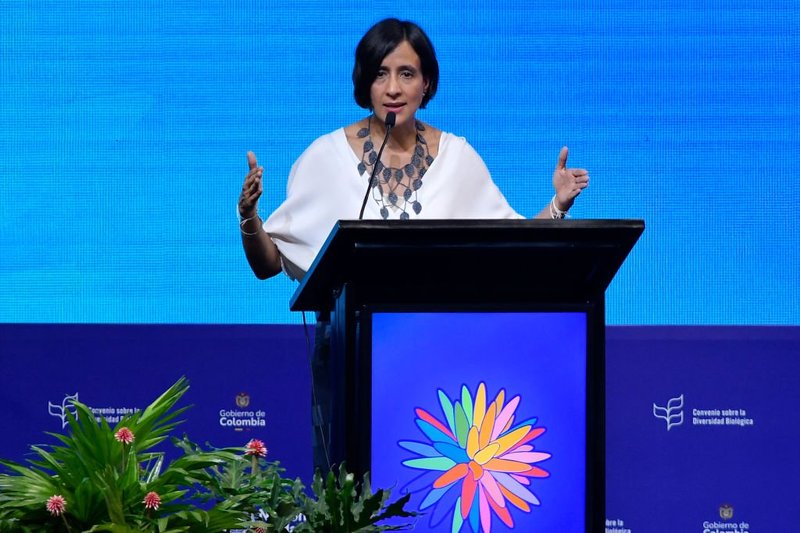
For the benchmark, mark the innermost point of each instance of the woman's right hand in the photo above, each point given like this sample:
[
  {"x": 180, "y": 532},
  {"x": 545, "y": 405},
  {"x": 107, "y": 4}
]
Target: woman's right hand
[
  {"x": 251, "y": 189},
  {"x": 262, "y": 254}
]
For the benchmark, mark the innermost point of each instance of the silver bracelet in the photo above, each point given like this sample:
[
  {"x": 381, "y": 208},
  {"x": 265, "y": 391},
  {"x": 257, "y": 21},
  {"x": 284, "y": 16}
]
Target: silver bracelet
[
  {"x": 556, "y": 213},
  {"x": 242, "y": 219},
  {"x": 245, "y": 221}
]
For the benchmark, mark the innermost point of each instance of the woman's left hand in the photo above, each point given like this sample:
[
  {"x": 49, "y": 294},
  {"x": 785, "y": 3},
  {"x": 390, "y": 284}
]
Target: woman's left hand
[{"x": 568, "y": 182}]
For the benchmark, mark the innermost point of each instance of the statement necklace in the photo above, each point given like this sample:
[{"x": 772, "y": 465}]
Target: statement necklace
[{"x": 395, "y": 188}]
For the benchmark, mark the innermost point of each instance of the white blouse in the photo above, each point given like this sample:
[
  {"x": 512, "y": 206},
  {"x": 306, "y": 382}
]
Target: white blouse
[{"x": 324, "y": 186}]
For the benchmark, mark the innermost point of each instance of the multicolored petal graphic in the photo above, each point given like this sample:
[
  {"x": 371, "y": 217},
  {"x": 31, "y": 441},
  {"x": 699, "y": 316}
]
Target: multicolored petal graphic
[{"x": 476, "y": 462}]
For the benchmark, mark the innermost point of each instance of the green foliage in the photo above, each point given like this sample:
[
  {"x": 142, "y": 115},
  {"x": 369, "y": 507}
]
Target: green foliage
[
  {"x": 337, "y": 505},
  {"x": 341, "y": 506},
  {"x": 258, "y": 488},
  {"x": 104, "y": 483}
]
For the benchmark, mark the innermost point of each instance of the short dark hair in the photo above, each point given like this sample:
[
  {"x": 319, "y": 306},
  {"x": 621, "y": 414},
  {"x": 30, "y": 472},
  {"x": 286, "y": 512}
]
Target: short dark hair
[{"x": 378, "y": 42}]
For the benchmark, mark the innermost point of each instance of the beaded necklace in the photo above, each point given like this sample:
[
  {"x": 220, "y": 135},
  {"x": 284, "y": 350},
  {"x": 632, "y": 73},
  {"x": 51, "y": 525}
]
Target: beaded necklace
[{"x": 395, "y": 188}]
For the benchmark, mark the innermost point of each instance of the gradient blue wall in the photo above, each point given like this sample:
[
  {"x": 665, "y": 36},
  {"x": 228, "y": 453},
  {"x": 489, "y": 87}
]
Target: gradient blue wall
[{"x": 124, "y": 127}]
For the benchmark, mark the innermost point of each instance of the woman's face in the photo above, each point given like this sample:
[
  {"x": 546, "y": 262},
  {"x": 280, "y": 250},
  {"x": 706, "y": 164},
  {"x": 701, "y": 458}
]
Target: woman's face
[{"x": 399, "y": 85}]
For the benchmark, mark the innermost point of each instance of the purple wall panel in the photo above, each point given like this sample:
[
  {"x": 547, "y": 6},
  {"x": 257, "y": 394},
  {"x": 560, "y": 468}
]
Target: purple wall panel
[
  {"x": 246, "y": 381},
  {"x": 701, "y": 428},
  {"x": 701, "y": 421}
]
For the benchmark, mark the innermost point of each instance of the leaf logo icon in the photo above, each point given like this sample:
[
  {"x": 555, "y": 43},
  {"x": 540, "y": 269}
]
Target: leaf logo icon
[
  {"x": 60, "y": 411},
  {"x": 672, "y": 414}
]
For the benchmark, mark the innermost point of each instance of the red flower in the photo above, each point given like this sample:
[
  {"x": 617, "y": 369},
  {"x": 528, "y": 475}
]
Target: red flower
[
  {"x": 259, "y": 530},
  {"x": 151, "y": 500},
  {"x": 56, "y": 504},
  {"x": 256, "y": 447},
  {"x": 124, "y": 435}
]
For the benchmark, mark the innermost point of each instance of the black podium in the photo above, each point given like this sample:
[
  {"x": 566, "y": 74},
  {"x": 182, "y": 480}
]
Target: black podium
[{"x": 440, "y": 290}]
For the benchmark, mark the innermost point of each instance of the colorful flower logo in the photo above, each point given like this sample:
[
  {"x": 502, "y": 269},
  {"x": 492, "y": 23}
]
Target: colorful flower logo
[{"x": 477, "y": 463}]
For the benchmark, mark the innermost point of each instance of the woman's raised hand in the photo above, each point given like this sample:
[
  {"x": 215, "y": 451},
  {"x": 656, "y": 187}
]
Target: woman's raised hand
[
  {"x": 251, "y": 189},
  {"x": 568, "y": 182}
]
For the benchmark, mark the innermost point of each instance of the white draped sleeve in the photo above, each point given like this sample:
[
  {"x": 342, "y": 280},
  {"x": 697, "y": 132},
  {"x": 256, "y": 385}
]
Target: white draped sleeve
[{"x": 324, "y": 186}]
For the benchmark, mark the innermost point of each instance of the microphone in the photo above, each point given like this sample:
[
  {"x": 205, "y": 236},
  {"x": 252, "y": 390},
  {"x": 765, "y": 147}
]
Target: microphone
[{"x": 390, "y": 119}]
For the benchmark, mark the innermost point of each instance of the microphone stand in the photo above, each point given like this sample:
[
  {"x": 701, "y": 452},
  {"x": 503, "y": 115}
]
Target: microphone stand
[{"x": 390, "y": 120}]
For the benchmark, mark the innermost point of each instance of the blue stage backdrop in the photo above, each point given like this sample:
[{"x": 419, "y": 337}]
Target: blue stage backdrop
[
  {"x": 124, "y": 127},
  {"x": 123, "y": 132}
]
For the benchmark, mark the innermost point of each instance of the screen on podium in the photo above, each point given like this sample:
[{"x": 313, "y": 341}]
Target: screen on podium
[{"x": 482, "y": 417}]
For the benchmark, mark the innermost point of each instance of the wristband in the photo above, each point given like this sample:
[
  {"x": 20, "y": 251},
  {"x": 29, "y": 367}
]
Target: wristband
[{"x": 556, "y": 213}]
